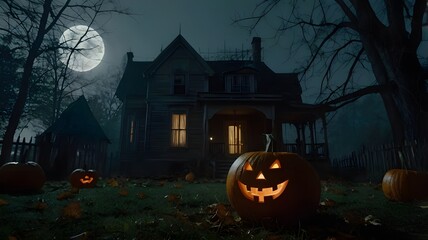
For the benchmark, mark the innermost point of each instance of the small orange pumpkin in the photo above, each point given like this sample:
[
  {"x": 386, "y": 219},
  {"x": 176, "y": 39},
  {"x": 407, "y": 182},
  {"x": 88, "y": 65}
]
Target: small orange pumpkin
[
  {"x": 277, "y": 186},
  {"x": 190, "y": 177},
  {"x": 405, "y": 185},
  {"x": 81, "y": 178}
]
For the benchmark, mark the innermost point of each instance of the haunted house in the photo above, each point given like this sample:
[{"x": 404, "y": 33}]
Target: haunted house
[{"x": 181, "y": 112}]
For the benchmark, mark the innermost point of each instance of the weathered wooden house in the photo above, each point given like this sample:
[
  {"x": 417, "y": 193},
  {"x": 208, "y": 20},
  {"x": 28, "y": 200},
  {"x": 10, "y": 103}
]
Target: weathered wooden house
[{"x": 183, "y": 112}]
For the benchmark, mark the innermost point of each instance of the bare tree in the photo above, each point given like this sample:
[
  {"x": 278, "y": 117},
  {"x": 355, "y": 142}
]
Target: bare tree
[
  {"x": 345, "y": 37},
  {"x": 54, "y": 85},
  {"x": 30, "y": 23}
]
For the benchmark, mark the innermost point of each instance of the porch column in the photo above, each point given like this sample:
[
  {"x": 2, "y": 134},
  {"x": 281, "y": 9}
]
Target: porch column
[
  {"x": 324, "y": 126},
  {"x": 311, "y": 130},
  {"x": 276, "y": 131},
  {"x": 205, "y": 138}
]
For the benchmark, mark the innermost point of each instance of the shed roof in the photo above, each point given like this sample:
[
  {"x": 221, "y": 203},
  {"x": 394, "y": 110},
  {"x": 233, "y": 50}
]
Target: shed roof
[{"x": 78, "y": 121}]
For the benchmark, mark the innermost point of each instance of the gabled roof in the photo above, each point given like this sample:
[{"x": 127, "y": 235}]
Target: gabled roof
[
  {"x": 179, "y": 41},
  {"x": 132, "y": 81},
  {"x": 78, "y": 121}
]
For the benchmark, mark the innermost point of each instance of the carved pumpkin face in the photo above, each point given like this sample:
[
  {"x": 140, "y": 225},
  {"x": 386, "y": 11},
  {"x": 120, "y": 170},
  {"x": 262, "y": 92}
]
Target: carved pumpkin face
[
  {"x": 256, "y": 193},
  {"x": 273, "y": 185},
  {"x": 81, "y": 178},
  {"x": 86, "y": 179}
]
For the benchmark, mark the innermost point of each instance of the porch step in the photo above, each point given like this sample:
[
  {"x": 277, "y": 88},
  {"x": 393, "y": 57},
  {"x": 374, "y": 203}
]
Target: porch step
[{"x": 222, "y": 168}]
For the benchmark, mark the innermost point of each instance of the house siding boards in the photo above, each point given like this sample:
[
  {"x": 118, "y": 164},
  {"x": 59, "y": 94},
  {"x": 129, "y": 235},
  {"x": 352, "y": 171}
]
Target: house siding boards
[{"x": 153, "y": 91}]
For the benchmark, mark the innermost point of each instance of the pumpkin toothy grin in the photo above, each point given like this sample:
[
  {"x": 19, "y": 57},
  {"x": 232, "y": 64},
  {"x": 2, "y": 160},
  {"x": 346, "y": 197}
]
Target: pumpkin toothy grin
[
  {"x": 251, "y": 192},
  {"x": 86, "y": 180}
]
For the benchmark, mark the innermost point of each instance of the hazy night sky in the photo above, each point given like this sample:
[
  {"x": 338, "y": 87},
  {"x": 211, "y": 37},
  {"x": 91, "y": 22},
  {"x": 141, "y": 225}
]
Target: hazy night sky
[{"x": 206, "y": 25}]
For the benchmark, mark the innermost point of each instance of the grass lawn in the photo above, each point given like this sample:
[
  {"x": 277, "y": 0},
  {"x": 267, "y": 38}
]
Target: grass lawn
[{"x": 176, "y": 209}]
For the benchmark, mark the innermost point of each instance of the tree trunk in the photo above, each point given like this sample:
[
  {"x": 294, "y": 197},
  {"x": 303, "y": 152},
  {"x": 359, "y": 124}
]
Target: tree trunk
[
  {"x": 404, "y": 104},
  {"x": 17, "y": 111},
  {"x": 18, "y": 107}
]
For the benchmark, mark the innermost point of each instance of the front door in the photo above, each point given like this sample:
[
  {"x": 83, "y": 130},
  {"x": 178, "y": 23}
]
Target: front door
[{"x": 235, "y": 143}]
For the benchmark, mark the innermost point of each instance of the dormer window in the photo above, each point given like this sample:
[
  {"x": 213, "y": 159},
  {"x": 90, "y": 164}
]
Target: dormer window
[
  {"x": 240, "y": 83},
  {"x": 179, "y": 84}
]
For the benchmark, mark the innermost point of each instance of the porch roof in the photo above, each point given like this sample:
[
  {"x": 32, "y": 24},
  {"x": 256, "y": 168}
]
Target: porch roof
[
  {"x": 227, "y": 97},
  {"x": 303, "y": 112}
]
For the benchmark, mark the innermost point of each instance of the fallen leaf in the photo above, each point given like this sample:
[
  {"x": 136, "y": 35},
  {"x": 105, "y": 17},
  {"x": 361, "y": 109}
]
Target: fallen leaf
[
  {"x": 353, "y": 217},
  {"x": 173, "y": 198},
  {"x": 123, "y": 192},
  {"x": 141, "y": 195},
  {"x": 221, "y": 215},
  {"x": 64, "y": 195},
  {"x": 3, "y": 202},
  {"x": 40, "y": 206},
  {"x": 112, "y": 182},
  {"x": 181, "y": 216},
  {"x": 370, "y": 219},
  {"x": 72, "y": 210},
  {"x": 328, "y": 203}
]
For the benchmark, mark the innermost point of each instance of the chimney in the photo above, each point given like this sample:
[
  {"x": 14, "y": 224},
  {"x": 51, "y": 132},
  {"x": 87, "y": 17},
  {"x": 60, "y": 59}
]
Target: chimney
[
  {"x": 257, "y": 49},
  {"x": 130, "y": 56}
]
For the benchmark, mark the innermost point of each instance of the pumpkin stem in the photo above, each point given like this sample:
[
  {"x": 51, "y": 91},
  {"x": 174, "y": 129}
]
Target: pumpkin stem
[{"x": 270, "y": 140}]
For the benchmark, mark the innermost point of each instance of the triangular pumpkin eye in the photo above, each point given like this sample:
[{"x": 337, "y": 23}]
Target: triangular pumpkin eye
[
  {"x": 275, "y": 164},
  {"x": 248, "y": 167}
]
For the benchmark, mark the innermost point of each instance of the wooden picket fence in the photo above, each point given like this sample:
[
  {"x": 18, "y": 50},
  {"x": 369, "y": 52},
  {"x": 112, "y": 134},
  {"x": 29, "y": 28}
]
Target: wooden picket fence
[
  {"x": 374, "y": 161},
  {"x": 87, "y": 154},
  {"x": 20, "y": 145}
]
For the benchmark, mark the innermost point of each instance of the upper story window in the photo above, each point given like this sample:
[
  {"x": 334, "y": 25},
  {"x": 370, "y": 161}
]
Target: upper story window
[
  {"x": 179, "y": 84},
  {"x": 240, "y": 83}
]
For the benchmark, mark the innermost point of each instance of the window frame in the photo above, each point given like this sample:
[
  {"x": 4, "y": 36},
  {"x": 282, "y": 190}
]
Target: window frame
[
  {"x": 240, "y": 143},
  {"x": 179, "y": 88},
  {"x": 240, "y": 83},
  {"x": 179, "y": 130}
]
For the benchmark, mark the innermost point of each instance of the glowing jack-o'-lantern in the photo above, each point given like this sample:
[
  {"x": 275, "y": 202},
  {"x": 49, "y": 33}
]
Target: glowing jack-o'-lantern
[
  {"x": 276, "y": 186},
  {"x": 81, "y": 178}
]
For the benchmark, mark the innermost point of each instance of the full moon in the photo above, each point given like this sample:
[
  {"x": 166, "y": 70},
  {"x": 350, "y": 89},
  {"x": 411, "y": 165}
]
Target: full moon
[{"x": 85, "y": 46}]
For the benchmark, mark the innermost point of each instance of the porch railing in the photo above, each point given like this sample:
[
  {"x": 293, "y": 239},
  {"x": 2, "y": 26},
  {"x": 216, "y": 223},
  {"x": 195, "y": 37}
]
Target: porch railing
[{"x": 316, "y": 151}]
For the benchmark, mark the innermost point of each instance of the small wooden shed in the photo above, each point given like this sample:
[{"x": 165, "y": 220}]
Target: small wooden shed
[{"x": 75, "y": 140}]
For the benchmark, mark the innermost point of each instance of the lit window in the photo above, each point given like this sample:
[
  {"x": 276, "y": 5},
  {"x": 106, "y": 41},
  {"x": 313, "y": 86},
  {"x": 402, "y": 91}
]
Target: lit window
[
  {"x": 235, "y": 139},
  {"x": 178, "y": 130}
]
